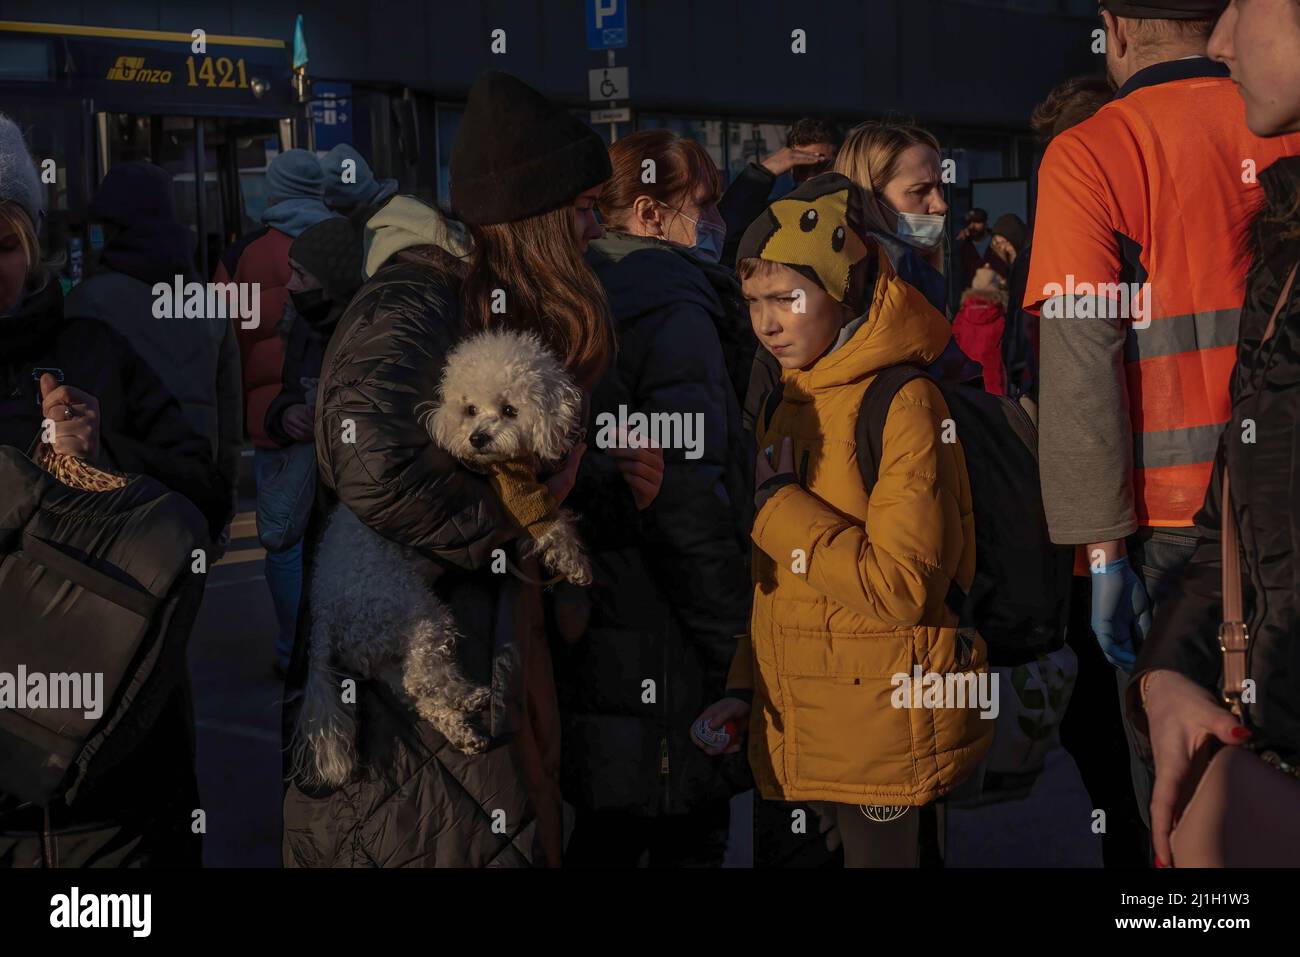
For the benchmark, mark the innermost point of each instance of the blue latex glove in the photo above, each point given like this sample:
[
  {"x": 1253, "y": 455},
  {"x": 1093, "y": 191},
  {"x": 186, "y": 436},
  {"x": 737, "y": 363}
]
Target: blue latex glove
[{"x": 1121, "y": 612}]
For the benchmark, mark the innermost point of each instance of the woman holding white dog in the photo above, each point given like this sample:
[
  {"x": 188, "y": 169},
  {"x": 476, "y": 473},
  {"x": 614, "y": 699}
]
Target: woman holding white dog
[{"x": 524, "y": 177}]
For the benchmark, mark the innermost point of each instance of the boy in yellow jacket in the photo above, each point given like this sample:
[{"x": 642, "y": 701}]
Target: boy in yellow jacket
[{"x": 850, "y": 623}]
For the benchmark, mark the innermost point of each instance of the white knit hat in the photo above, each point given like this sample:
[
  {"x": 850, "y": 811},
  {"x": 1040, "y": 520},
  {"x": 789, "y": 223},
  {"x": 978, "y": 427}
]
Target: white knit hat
[{"x": 18, "y": 179}]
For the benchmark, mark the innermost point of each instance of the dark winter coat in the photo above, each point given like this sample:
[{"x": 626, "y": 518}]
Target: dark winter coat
[
  {"x": 304, "y": 354},
  {"x": 671, "y": 590},
  {"x": 1020, "y": 341},
  {"x": 139, "y": 813},
  {"x": 741, "y": 204},
  {"x": 1265, "y": 481},
  {"x": 141, "y": 426},
  {"x": 970, "y": 259},
  {"x": 415, "y": 801}
]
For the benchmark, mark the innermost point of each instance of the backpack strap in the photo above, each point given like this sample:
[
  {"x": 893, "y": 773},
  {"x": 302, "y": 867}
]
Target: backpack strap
[
  {"x": 869, "y": 434},
  {"x": 870, "y": 429}
]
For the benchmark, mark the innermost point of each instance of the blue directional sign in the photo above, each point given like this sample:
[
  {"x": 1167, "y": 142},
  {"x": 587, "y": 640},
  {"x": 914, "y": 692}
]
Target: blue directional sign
[
  {"x": 606, "y": 24},
  {"x": 331, "y": 112}
]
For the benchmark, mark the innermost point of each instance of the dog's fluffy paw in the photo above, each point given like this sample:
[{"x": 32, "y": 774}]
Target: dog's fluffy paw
[
  {"x": 462, "y": 735},
  {"x": 561, "y": 551},
  {"x": 454, "y": 724},
  {"x": 473, "y": 700}
]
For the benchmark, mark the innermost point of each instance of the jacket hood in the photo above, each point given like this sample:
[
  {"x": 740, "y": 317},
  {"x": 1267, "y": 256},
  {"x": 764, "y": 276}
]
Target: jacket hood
[
  {"x": 405, "y": 221},
  {"x": 984, "y": 299},
  {"x": 641, "y": 274},
  {"x": 901, "y": 327},
  {"x": 145, "y": 239}
]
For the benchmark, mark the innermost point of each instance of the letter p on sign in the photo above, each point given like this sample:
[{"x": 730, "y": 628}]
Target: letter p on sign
[{"x": 605, "y": 9}]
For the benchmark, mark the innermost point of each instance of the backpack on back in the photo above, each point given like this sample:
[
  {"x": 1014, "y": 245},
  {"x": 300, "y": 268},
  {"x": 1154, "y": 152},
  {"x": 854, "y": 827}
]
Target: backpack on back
[
  {"x": 95, "y": 587},
  {"x": 1019, "y": 598}
]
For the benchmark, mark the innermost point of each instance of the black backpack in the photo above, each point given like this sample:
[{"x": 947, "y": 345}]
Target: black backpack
[
  {"x": 90, "y": 582},
  {"x": 1019, "y": 597}
]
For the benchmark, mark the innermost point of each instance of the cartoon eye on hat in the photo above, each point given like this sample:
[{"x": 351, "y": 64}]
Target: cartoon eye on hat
[{"x": 815, "y": 232}]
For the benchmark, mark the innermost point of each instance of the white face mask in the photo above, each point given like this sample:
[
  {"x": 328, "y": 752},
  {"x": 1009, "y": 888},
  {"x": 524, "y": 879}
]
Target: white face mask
[{"x": 922, "y": 231}]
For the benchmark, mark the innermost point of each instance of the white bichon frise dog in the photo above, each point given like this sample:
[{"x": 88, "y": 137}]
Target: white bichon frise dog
[{"x": 506, "y": 408}]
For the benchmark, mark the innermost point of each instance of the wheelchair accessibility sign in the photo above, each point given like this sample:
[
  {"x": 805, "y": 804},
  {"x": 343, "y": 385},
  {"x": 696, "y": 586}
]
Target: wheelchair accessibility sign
[{"x": 607, "y": 83}]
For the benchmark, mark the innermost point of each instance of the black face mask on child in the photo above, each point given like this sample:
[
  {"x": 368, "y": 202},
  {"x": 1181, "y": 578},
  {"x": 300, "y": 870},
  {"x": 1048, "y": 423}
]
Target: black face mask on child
[{"x": 312, "y": 304}]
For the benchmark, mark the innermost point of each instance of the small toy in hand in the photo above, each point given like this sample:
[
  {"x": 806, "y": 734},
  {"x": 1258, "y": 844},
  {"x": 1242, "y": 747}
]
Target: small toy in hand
[{"x": 705, "y": 733}]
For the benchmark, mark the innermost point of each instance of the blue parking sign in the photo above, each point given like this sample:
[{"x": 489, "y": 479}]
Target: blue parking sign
[{"x": 606, "y": 24}]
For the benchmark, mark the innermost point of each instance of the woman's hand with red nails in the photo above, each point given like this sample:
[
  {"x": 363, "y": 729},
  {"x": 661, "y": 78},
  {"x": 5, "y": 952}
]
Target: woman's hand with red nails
[{"x": 1183, "y": 717}]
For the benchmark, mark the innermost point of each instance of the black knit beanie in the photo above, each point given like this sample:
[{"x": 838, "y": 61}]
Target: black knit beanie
[
  {"x": 331, "y": 251},
  {"x": 519, "y": 155}
]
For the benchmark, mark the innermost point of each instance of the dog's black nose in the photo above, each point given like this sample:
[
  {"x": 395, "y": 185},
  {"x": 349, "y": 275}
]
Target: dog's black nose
[{"x": 479, "y": 439}]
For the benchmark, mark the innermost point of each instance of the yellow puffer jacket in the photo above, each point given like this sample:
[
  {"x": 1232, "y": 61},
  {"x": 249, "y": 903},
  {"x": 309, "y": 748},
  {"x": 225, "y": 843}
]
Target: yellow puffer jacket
[{"x": 850, "y": 591}]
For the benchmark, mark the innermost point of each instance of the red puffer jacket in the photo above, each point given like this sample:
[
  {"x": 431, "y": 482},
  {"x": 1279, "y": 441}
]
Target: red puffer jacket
[
  {"x": 261, "y": 257},
  {"x": 979, "y": 328}
]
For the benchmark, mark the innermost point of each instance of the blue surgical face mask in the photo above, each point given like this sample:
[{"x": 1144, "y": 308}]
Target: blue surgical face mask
[
  {"x": 708, "y": 242},
  {"x": 709, "y": 237},
  {"x": 922, "y": 231}
]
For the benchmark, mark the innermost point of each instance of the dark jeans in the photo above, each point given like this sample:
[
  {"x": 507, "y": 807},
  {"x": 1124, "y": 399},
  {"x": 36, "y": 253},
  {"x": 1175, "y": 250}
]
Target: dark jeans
[
  {"x": 1096, "y": 722},
  {"x": 619, "y": 839}
]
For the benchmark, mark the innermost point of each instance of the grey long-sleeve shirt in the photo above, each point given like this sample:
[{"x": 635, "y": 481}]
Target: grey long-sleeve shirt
[{"x": 1085, "y": 437}]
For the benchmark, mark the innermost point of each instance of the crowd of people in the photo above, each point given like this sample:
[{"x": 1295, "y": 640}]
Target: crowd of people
[{"x": 754, "y": 595}]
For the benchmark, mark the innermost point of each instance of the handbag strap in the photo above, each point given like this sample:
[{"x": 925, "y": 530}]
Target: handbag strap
[{"x": 1233, "y": 637}]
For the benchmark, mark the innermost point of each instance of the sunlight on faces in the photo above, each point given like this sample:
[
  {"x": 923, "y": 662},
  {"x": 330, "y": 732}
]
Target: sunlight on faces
[
  {"x": 795, "y": 339},
  {"x": 1259, "y": 42},
  {"x": 917, "y": 186}
]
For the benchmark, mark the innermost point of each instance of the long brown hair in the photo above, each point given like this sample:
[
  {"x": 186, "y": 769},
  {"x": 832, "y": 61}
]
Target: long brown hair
[{"x": 548, "y": 289}]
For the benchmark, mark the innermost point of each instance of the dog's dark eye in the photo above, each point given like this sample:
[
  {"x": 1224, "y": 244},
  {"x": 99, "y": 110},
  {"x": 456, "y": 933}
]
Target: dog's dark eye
[
  {"x": 471, "y": 410},
  {"x": 509, "y": 411}
]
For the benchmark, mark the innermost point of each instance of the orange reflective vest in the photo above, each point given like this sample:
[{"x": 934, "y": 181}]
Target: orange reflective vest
[{"x": 1154, "y": 192}]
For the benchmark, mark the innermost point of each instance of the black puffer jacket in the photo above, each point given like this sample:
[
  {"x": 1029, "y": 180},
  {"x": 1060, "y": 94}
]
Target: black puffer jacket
[
  {"x": 142, "y": 427},
  {"x": 672, "y": 590},
  {"x": 1265, "y": 480},
  {"x": 139, "y": 813},
  {"x": 416, "y": 801}
]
